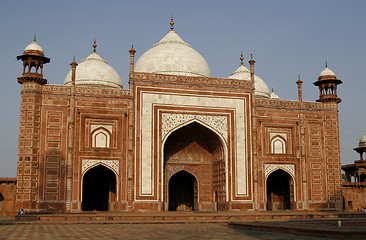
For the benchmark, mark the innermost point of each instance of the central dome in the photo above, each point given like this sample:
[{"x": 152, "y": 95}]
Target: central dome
[{"x": 171, "y": 55}]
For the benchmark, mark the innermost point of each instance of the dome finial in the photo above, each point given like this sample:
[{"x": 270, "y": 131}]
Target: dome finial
[
  {"x": 326, "y": 64},
  {"x": 241, "y": 59},
  {"x": 35, "y": 38},
  {"x": 171, "y": 23},
  {"x": 95, "y": 45}
]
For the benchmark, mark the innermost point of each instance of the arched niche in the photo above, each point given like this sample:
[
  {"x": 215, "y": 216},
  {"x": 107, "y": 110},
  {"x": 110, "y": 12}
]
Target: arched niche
[
  {"x": 280, "y": 190},
  {"x": 99, "y": 189},
  {"x": 2, "y": 203},
  {"x": 199, "y": 150},
  {"x": 101, "y": 138},
  {"x": 183, "y": 192},
  {"x": 278, "y": 145}
]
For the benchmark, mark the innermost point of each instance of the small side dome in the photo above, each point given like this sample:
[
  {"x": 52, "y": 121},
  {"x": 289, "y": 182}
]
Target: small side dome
[
  {"x": 362, "y": 142},
  {"x": 93, "y": 70},
  {"x": 171, "y": 55},
  {"x": 242, "y": 73},
  {"x": 274, "y": 95}
]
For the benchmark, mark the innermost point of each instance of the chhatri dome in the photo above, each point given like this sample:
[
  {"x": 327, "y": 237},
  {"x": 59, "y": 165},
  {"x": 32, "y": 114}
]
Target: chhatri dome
[
  {"x": 33, "y": 47},
  {"x": 171, "y": 55},
  {"x": 327, "y": 71},
  {"x": 362, "y": 142},
  {"x": 93, "y": 70},
  {"x": 242, "y": 73}
]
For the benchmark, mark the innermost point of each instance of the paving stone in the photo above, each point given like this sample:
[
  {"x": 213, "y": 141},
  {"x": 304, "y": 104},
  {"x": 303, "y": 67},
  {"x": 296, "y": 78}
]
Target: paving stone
[{"x": 135, "y": 231}]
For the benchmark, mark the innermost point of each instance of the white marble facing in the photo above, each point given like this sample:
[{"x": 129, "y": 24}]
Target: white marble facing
[
  {"x": 112, "y": 164},
  {"x": 289, "y": 168},
  {"x": 148, "y": 99}
]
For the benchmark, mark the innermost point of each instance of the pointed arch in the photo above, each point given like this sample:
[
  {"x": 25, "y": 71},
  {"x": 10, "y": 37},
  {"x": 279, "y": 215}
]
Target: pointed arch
[
  {"x": 101, "y": 138},
  {"x": 188, "y": 147},
  {"x": 192, "y": 121},
  {"x": 280, "y": 190},
  {"x": 278, "y": 145},
  {"x": 183, "y": 191},
  {"x": 99, "y": 189},
  {"x": 2, "y": 203}
]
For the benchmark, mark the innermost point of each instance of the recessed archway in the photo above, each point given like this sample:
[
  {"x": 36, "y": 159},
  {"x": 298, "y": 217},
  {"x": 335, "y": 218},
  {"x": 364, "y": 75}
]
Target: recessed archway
[
  {"x": 2, "y": 203},
  {"x": 99, "y": 189},
  {"x": 279, "y": 190},
  {"x": 199, "y": 150},
  {"x": 182, "y": 192}
]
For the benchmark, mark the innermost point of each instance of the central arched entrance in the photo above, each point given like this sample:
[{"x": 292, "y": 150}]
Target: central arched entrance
[
  {"x": 279, "y": 191},
  {"x": 182, "y": 192},
  {"x": 99, "y": 189},
  {"x": 194, "y": 169}
]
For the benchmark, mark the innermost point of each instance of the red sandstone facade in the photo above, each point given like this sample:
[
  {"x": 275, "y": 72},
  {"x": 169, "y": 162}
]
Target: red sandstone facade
[
  {"x": 355, "y": 181},
  {"x": 174, "y": 143},
  {"x": 7, "y": 196}
]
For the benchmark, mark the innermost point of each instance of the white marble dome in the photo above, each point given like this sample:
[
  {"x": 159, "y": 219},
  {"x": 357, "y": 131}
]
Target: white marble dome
[
  {"x": 274, "y": 95},
  {"x": 362, "y": 141},
  {"x": 261, "y": 88},
  {"x": 33, "y": 46},
  {"x": 93, "y": 70},
  {"x": 327, "y": 72},
  {"x": 171, "y": 55}
]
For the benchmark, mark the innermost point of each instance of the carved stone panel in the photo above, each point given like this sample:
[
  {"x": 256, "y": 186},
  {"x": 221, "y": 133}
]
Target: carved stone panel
[
  {"x": 113, "y": 164},
  {"x": 172, "y": 120}
]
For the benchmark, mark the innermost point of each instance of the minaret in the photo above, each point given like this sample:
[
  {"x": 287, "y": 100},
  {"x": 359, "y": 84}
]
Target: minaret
[
  {"x": 71, "y": 138},
  {"x": 327, "y": 83},
  {"x": 33, "y": 59},
  {"x": 29, "y": 162},
  {"x": 251, "y": 62},
  {"x": 299, "y": 88},
  {"x": 132, "y": 59}
]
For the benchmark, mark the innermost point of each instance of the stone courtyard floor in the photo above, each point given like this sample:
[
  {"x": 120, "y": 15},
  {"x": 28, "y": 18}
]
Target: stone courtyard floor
[{"x": 137, "y": 231}]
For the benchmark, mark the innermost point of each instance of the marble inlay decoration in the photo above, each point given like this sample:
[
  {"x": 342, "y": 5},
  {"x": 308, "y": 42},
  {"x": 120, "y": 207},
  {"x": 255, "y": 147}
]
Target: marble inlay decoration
[
  {"x": 171, "y": 120},
  {"x": 86, "y": 163},
  {"x": 290, "y": 168}
]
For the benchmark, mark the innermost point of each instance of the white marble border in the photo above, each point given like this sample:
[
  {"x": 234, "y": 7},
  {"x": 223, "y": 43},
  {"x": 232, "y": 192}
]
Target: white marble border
[{"x": 239, "y": 150}]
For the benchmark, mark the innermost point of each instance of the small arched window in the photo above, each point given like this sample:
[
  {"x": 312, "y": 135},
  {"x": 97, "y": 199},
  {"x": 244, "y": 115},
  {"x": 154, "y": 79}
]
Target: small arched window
[
  {"x": 278, "y": 145},
  {"x": 101, "y": 138}
]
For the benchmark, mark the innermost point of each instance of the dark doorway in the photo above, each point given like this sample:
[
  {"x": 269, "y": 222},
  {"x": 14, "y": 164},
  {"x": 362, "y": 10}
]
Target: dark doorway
[
  {"x": 279, "y": 189},
  {"x": 363, "y": 178},
  {"x": 99, "y": 189},
  {"x": 2, "y": 207},
  {"x": 182, "y": 192}
]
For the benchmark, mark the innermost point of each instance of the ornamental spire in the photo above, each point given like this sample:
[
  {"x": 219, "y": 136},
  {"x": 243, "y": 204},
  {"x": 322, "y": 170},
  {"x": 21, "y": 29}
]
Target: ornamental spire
[
  {"x": 241, "y": 59},
  {"x": 95, "y": 45},
  {"x": 171, "y": 23},
  {"x": 35, "y": 38}
]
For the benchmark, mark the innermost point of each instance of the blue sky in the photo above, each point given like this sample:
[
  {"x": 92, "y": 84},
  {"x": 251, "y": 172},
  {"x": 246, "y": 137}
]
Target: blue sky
[{"x": 286, "y": 38}]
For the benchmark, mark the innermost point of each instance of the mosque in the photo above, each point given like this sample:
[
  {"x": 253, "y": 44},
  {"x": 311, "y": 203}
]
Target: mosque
[{"x": 176, "y": 139}]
